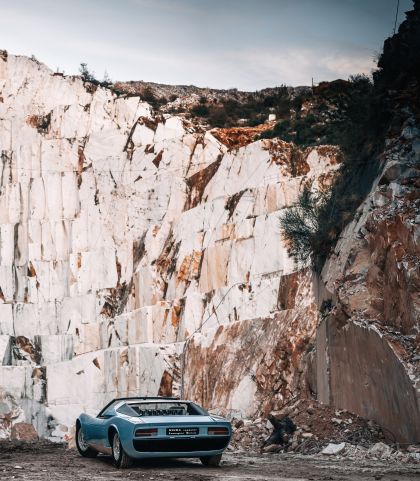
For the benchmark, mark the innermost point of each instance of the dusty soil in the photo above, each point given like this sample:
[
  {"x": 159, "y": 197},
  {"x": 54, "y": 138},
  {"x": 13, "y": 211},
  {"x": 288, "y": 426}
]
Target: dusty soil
[{"x": 45, "y": 461}]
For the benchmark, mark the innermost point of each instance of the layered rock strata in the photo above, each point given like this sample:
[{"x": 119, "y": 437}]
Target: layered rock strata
[
  {"x": 124, "y": 235},
  {"x": 141, "y": 255}
]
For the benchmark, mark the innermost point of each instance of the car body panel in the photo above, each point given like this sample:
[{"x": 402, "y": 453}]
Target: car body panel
[{"x": 164, "y": 443}]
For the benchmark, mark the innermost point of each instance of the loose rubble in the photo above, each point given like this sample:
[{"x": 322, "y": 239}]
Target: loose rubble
[
  {"x": 307, "y": 427},
  {"x": 333, "y": 449}
]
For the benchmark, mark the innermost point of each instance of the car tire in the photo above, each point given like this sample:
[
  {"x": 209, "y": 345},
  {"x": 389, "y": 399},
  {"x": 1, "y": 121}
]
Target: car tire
[
  {"x": 211, "y": 461},
  {"x": 119, "y": 456},
  {"x": 82, "y": 446}
]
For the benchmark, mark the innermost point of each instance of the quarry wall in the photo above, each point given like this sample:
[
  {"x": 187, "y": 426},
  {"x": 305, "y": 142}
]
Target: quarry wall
[{"x": 139, "y": 255}]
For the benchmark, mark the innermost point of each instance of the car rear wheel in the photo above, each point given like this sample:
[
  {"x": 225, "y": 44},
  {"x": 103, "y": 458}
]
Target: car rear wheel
[
  {"x": 82, "y": 446},
  {"x": 120, "y": 458},
  {"x": 211, "y": 460}
]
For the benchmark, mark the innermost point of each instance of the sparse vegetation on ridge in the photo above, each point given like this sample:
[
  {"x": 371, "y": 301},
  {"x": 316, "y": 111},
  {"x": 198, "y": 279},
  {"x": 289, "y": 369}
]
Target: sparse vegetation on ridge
[
  {"x": 89, "y": 76},
  {"x": 322, "y": 114},
  {"x": 252, "y": 110},
  {"x": 213, "y": 107}
]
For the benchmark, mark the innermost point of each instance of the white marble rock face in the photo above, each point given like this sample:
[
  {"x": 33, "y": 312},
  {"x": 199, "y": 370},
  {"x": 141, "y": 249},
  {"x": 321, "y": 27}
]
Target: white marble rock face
[{"x": 121, "y": 236}]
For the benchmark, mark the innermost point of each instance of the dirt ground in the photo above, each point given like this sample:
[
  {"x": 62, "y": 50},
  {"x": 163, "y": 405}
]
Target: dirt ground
[{"x": 46, "y": 461}]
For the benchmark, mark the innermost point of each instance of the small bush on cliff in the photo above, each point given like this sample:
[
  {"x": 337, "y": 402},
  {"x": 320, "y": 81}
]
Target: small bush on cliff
[
  {"x": 281, "y": 129},
  {"x": 106, "y": 81},
  {"x": 87, "y": 75},
  {"x": 302, "y": 229},
  {"x": 200, "y": 110},
  {"x": 149, "y": 96}
]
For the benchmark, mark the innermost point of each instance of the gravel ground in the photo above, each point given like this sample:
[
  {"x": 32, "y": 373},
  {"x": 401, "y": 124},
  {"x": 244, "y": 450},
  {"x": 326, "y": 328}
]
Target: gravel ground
[{"x": 46, "y": 461}]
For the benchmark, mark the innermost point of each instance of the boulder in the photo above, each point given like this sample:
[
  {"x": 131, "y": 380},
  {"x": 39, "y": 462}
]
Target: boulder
[
  {"x": 23, "y": 432},
  {"x": 380, "y": 450},
  {"x": 410, "y": 132},
  {"x": 239, "y": 423},
  {"x": 333, "y": 449},
  {"x": 273, "y": 448},
  {"x": 393, "y": 170},
  {"x": 416, "y": 149}
]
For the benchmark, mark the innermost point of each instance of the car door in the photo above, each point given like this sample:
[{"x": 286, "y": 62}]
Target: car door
[{"x": 96, "y": 431}]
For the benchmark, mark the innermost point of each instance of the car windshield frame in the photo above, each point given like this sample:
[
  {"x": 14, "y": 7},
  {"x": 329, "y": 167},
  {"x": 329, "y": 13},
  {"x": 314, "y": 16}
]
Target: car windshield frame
[{"x": 131, "y": 407}]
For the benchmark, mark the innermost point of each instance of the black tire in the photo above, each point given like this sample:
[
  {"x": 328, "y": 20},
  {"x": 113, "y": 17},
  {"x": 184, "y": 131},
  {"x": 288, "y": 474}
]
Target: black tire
[
  {"x": 119, "y": 456},
  {"x": 84, "y": 449},
  {"x": 211, "y": 461}
]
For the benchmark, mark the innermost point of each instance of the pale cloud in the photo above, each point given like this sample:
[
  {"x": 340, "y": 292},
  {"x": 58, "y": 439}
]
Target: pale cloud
[
  {"x": 248, "y": 44},
  {"x": 343, "y": 66},
  {"x": 183, "y": 7},
  {"x": 296, "y": 66}
]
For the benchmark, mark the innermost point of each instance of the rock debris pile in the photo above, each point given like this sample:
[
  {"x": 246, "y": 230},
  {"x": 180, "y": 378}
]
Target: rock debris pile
[{"x": 307, "y": 427}]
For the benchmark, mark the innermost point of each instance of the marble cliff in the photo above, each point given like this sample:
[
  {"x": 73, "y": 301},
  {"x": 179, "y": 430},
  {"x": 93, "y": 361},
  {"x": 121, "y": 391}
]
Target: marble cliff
[{"x": 142, "y": 255}]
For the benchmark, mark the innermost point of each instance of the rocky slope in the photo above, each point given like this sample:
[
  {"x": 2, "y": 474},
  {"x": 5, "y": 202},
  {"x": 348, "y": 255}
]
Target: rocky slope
[
  {"x": 371, "y": 334},
  {"x": 140, "y": 254}
]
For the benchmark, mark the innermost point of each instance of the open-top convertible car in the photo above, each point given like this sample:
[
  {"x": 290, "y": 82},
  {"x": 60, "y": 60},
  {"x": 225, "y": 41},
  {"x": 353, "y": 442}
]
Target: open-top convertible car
[{"x": 146, "y": 427}]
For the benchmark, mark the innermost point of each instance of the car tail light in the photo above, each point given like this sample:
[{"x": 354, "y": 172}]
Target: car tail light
[
  {"x": 218, "y": 431},
  {"x": 146, "y": 432}
]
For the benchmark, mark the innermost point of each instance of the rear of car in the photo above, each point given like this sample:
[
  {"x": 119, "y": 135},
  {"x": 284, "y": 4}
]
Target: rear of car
[
  {"x": 134, "y": 428},
  {"x": 196, "y": 436}
]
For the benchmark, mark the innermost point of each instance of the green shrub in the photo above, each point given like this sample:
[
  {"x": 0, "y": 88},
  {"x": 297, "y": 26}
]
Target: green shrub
[
  {"x": 87, "y": 75},
  {"x": 256, "y": 121},
  {"x": 255, "y": 107},
  {"x": 200, "y": 110},
  {"x": 300, "y": 225},
  {"x": 218, "y": 117},
  {"x": 281, "y": 130},
  {"x": 106, "y": 81},
  {"x": 149, "y": 96}
]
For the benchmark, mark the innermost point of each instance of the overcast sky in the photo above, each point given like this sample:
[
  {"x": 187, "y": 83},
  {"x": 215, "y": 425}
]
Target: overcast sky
[{"x": 248, "y": 44}]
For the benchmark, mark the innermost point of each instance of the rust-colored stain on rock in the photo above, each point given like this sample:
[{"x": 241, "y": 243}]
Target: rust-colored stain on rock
[
  {"x": 96, "y": 363},
  {"x": 165, "y": 387},
  {"x": 236, "y": 137},
  {"x": 198, "y": 182},
  {"x": 190, "y": 267},
  {"x": 271, "y": 354}
]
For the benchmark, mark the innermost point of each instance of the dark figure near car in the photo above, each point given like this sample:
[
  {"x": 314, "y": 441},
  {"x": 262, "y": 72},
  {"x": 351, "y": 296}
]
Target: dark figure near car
[{"x": 283, "y": 428}]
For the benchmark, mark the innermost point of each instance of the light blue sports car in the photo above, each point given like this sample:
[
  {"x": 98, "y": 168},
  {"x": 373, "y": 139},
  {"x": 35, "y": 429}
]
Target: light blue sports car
[{"x": 152, "y": 427}]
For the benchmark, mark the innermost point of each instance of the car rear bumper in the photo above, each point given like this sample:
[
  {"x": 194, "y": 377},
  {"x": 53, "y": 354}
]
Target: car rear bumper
[{"x": 178, "y": 447}]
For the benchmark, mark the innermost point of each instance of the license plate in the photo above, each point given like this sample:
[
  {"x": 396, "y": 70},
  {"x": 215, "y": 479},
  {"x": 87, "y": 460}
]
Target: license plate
[{"x": 182, "y": 431}]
